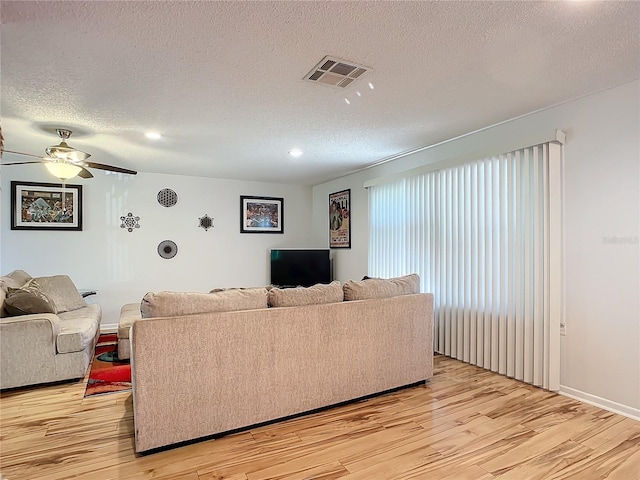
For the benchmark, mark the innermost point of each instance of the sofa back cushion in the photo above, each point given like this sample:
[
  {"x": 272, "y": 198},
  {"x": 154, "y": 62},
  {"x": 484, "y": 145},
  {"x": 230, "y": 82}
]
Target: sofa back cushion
[
  {"x": 29, "y": 299},
  {"x": 15, "y": 279},
  {"x": 381, "y": 287},
  {"x": 173, "y": 304},
  {"x": 62, "y": 292},
  {"x": 315, "y": 295}
]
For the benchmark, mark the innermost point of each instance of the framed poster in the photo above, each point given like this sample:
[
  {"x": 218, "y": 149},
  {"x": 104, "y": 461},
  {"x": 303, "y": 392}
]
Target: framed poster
[
  {"x": 261, "y": 214},
  {"x": 46, "y": 206},
  {"x": 340, "y": 219}
]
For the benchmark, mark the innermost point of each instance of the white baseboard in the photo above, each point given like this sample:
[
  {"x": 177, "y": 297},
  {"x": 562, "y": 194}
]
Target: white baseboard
[
  {"x": 627, "y": 411},
  {"x": 108, "y": 327}
]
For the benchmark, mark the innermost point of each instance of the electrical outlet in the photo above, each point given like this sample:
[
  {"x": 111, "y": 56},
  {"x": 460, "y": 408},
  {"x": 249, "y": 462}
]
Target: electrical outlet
[{"x": 563, "y": 329}]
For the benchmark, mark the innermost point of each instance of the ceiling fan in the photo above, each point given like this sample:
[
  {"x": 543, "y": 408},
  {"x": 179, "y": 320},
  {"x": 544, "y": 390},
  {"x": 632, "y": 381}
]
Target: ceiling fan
[{"x": 66, "y": 162}]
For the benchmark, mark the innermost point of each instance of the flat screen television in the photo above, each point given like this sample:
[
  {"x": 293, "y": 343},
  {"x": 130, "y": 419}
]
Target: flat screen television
[{"x": 300, "y": 267}]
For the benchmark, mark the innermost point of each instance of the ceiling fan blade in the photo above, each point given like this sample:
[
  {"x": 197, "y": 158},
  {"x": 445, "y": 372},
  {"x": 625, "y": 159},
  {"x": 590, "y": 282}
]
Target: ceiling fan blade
[
  {"x": 111, "y": 168},
  {"x": 21, "y": 163},
  {"x": 20, "y": 153},
  {"x": 84, "y": 173}
]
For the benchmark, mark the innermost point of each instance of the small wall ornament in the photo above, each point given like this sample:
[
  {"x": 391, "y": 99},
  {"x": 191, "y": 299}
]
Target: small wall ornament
[
  {"x": 167, "y": 249},
  {"x": 167, "y": 197},
  {"x": 130, "y": 222},
  {"x": 206, "y": 222}
]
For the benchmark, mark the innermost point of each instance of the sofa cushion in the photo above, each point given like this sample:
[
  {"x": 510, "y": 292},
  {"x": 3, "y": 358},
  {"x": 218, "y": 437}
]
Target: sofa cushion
[
  {"x": 27, "y": 301},
  {"x": 217, "y": 290},
  {"x": 29, "y": 297},
  {"x": 381, "y": 287},
  {"x": 19, "y": 277},
  {"x": 11, "y": 282},
  {"x": 315, "y": 295},
  {"x": 15, "y": 279},
  {"x": 78, "y": 328},
  {"x": 129, "y": 313},
  {"x": 62, "y": 292},
  {"x": 173, "y": 304}
]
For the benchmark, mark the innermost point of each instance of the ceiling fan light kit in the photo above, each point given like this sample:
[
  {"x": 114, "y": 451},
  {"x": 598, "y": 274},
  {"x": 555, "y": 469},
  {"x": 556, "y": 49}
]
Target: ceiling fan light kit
[{"x": 62, "y": 170}]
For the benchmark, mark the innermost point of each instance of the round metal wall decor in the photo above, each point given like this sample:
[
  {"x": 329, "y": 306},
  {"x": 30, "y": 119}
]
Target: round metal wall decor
[
  {"x": 167, "y": 197},
  {"x": 167, "y": 249},
  {"x": 130, "y": 222},
  {"x": 206, "y": 222}
]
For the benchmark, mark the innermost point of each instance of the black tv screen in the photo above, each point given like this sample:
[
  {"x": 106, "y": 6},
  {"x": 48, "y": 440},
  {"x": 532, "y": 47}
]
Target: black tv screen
[{"x": 300, "y": 267}]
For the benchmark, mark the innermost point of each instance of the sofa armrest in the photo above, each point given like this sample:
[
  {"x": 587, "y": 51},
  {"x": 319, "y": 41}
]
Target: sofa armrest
[
  {"x": 49, "y": 323},
  {"x": 27, "y": 349}
]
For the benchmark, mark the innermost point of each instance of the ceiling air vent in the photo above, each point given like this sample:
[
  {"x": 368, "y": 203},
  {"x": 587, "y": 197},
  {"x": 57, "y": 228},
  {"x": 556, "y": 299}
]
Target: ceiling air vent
[{"x": 336, "y": 72}]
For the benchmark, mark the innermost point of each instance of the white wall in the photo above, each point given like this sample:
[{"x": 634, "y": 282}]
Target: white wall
[
  {"x": 123, "y": 266},
  {"x": 600, "y": 359}
]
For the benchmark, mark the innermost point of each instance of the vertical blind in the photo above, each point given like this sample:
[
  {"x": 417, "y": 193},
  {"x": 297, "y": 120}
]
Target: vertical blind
[{"x": 486, "y": 239}]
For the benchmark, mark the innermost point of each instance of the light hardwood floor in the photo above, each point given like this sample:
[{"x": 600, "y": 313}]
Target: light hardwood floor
[{"x": 466, "y": 424}]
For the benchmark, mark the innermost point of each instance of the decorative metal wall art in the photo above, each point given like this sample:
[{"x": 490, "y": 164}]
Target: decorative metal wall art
[
  {"x": 167, "y": 249},
  {"x": 130, "y": 222},
  {"x": 206, "y": 222},
  {"x": 167, "y": 197}
]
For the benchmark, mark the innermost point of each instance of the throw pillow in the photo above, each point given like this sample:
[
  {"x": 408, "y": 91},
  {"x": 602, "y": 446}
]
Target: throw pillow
[
  {"x": 19, "y": 277},
  {"x": 27, "y": 300},
  {"x": 7, "y": 282},
  {"x": 174, "y": 304},
  {"x": 381, "y": 287},
  {"x": 315, "y": 295},
  {"x": 62, "y": 292}
]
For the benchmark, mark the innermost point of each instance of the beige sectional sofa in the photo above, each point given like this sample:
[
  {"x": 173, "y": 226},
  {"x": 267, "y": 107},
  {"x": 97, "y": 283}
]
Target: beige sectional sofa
[
  {"x": 202, "y": 367},
  {"x": 47, "y": 330}
]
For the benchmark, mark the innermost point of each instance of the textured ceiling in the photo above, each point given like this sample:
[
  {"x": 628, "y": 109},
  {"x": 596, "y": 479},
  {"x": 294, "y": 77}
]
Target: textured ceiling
[{"x": 223, "y": 81}]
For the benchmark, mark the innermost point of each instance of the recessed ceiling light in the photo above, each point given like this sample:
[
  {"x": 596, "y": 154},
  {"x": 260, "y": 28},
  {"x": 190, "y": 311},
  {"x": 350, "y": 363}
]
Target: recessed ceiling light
[
  {"x": 371, "y": 85},
  {"x": 346, "y": 100},
  {"x": 153, "y": 135},
  {"x": 358, "y": 93},
  {"x": 296, "y": 152}
]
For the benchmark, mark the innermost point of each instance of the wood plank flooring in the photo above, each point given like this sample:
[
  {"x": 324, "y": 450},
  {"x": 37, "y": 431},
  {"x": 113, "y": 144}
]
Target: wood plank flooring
[{"x": 466, "y": 424}]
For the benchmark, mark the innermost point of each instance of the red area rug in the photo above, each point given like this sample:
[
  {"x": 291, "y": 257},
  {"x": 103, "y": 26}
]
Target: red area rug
[{"x": 108, "y": 374}]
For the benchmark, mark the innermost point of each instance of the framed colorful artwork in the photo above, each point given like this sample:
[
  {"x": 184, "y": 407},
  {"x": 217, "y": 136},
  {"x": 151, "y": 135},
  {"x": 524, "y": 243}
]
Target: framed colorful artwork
[
  {"x": 46, "y": 206},
  {"x": 261, "y": 214},
  {"x": 340, "y": 219}
]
